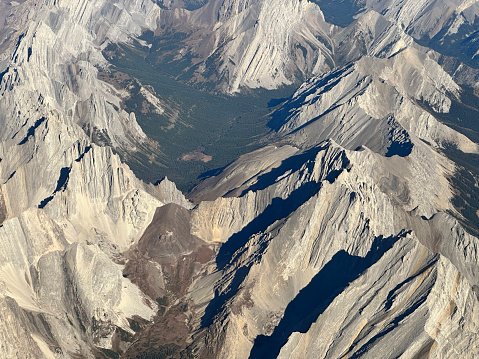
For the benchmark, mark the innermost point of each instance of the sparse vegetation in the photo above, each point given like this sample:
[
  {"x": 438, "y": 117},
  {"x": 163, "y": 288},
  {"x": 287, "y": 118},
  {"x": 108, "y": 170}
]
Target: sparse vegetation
[
  {"x": 162, "y": 352},
  {"x": 224, "y": 127},
  {"x": 162, "y": 300},
  {"x": 465, "y": 183},
  {"x": 462, "y": 44}
]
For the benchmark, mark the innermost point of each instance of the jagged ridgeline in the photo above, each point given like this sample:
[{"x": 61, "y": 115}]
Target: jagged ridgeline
[
  {"x": 330, "y": 153},
  {"x": 183, "y": 64}
]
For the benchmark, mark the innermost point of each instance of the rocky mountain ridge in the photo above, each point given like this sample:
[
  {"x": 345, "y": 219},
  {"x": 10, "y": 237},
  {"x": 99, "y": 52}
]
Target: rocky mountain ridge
[
  {"x": 69, "y": 207},
  {"x": 229, "y": 43},
  {"x": 335, "y": 239},
  {"x": 314, "y": 211}
]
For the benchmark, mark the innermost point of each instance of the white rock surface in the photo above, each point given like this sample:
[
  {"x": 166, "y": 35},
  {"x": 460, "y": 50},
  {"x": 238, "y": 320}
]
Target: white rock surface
[
  {"x": 69, "y": 208},
  {"x": 425, "y": 17},
  {"x": 376, "y": 95},
  {"x": 336, "y": 240},
  {"x": 297, "y": 41},
  {"x": 339, "y": 248},
  {"x": 268, "y": 44}
]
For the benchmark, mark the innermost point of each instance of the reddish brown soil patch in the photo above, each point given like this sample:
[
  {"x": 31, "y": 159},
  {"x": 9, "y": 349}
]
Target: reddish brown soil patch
[
  {"x": 196, "y": 156},
  {"x": 163, "y": 264},
  {"x": 165, "y": 338}
]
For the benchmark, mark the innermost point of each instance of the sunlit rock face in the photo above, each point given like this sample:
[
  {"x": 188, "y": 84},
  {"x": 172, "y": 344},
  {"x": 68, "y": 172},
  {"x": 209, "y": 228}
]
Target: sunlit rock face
[
  {"x": 70, "y": 207},
  {"x": 263, "y": 44},
  {"x": 253, "y": 44},
  {"x": 339, "y": 237}
]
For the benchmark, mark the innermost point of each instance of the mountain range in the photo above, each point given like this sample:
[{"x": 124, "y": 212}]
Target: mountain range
[{"x": 328, "y": 164}]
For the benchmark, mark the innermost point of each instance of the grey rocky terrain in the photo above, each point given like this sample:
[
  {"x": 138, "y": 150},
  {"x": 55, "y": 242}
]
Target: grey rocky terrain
[{"x": 351, "y": 231}]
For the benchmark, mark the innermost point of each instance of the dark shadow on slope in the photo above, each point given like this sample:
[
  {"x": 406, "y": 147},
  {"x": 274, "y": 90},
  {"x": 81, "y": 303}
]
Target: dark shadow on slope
[
  {"x": 402, "y": 149},
  {"x": 63, "y": 180},
  {"x": 400, "y": 143},
  {"x": 87, "y": 149},
  {"x": 277, "y": 210},
  {"x": 279, "y": 117},
  {"x": 395, "y": 319},
  {"x": 10, "y": 177},
  {"x": 296, "y": 105},
  {"x": 45, "y": 201},
  {"x": 31, "y": 130},
  {"x": 390, "y": 327},
  {"x": 313, "y": 299},
  {"x": 213, "y": 172},
  {"x": 466, "y": 191},
  {"x": 277, "y": 101},
  {"x": 61, "y": 185},
  {"x": 390, "y": 299},
  {"x": 462, "y": 45},
  {"x": 292, "y": 164},
  {"x": 339, "y": 12},
  {"x": 192, "y": 5},
  {"x": 462, "y": 117},
  {"x": 215, "y": 306},
  {"x": 2, "y": 74}
]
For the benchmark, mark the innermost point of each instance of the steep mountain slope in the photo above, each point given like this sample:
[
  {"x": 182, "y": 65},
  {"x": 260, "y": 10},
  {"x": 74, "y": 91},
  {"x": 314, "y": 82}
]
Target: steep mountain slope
[
  {"x": 69, "y": 207},
  {"x": 448, "y": 26},
  {"x": 224, "y": 42},
  {"x": 233, "y": 45},
  {"x": 339, "y": 239},
  {"x": 341, "y": 235},
  {"x": 262, "y": 44}
]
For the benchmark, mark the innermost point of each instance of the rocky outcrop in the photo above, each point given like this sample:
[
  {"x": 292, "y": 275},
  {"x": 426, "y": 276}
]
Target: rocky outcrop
[
  {"x": 269, "y": 45},
  {"x": 69, "y": 207},
  {"x": 234, "y": 51},
  {"x": 336, "y": 239},
  {"x": 236, "y": 45},
  {"x": 332, "y": 242},
  {"x": 385, "y": 96},
  {"x": 335, "y": 249},
  {"x": 426, "y": 17}
]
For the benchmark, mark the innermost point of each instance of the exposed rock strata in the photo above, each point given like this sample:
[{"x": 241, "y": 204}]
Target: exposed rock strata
[
  {"x": 339, "y": 249},
  {"x": 335, "y": 240},
  {"x": 69, "y": 207},
  {"x": 264, "y": 44}
]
